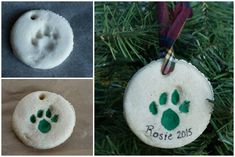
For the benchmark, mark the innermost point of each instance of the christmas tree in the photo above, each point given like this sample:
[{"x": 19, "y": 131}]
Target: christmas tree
[{"x": 126, "y": 39}]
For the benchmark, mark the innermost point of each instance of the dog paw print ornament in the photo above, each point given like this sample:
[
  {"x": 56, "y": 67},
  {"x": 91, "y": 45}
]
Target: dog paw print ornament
[
  {"x": 43, "y": 120},
  {"x": 166, "y": 103},
  {"x": 42, "y": 39}
]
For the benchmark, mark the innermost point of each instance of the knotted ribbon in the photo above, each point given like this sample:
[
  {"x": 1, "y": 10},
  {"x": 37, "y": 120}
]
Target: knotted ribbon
[{"x": 170, "y": 30}]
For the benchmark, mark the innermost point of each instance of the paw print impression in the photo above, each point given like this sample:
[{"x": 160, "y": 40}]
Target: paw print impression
[
  {"x": 170, "y": 119},
  {"x": 46, "y": 39},
  {"x": 45, "y": 120}
]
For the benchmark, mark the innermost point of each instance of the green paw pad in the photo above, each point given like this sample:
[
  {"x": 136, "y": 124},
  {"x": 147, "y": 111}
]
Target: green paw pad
[
  {"x": 153, "y": 108},
  {"x": 44, "y": 125},
  {"x": 184, "y": 106},
  {"x": 170, "y": 119},
  {"x": 163, "y": 99},
  {"x": 175, "y": 97}
]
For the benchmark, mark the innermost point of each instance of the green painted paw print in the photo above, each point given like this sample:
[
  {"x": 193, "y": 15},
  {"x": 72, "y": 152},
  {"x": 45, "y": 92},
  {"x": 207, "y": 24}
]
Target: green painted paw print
[
  {"x": 44, "y": 125},
  {"x": 170, "y": 119}
]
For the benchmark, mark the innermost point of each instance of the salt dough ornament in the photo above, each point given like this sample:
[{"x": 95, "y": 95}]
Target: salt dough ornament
[
  {"x": 168, "y": 111},
  {"x": 42, "y": 39},
  {"x": 43, "y": 120}
]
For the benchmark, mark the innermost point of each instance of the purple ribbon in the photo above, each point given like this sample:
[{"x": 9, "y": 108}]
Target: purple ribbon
[{"x": 170, "y": 30}]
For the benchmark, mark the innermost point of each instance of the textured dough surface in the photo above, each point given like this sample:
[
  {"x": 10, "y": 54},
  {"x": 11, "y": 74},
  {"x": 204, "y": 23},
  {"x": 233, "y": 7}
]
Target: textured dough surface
[
  {"x": 42, "y": 39},
  {"x": 29, "y": 133},
  {"x": 148, "y": 84}
]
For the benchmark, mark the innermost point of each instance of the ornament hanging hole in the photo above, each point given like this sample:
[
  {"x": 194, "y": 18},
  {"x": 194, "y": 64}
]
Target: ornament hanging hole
[
  {"x": 34, "y": 17},
  {"x": 42, "y": 96}
]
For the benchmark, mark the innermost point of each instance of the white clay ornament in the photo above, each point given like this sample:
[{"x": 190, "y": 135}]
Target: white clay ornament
[
  {"x": 42, "y": 39},
  {"x": 168, "y": 111},
  {"x": 43, "y": 120}
]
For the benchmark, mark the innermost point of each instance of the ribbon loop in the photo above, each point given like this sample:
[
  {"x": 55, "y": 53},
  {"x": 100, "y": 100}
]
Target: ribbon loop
[
  {"x": 168, "y": 64},
  {"x": 170, "y": 30}
]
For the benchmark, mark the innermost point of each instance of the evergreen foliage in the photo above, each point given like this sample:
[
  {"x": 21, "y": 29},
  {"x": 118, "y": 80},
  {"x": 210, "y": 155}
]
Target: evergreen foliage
[{"x": 126, "y": 39}]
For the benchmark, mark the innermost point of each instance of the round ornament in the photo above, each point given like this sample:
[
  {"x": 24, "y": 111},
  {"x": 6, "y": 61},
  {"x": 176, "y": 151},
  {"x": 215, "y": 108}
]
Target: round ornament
[
  {"x": 168, "y": 111},
  {"x": 43, "y": 120},
  {"x": 42, "y": 39}
]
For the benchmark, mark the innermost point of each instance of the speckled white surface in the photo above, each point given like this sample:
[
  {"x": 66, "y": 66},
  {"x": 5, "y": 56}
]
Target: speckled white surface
[{"x": 147, "y": 85}]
